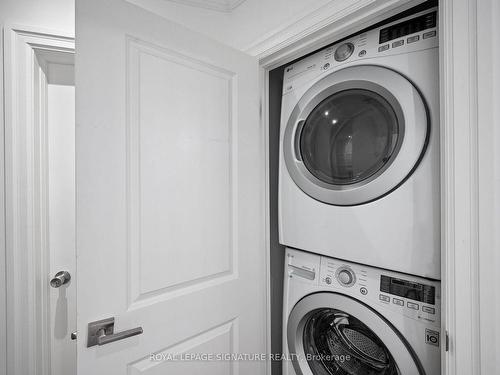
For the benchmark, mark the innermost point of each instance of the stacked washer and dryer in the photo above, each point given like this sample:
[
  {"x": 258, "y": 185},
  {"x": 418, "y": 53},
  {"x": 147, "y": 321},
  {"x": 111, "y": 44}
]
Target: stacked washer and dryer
[{"x": 359, "y": 204}]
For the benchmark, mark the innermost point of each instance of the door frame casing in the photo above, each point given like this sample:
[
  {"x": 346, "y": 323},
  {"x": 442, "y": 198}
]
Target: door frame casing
[
  {"x": 3, "y": 276},
  {"x": 488, "y": 208},
  {"x": 466, "y": 188},
  {"x": 26, "y": 196}
]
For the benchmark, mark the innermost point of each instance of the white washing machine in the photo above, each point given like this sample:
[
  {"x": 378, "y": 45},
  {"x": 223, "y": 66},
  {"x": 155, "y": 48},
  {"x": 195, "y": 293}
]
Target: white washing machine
[
  {"x": 359, "y": 149},
  {"x": 343, "y": 318}
]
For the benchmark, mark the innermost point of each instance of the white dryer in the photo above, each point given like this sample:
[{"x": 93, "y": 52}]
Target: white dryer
[
  {"x": 343, "y": 318},
  {"x": 359, "y": 149}
]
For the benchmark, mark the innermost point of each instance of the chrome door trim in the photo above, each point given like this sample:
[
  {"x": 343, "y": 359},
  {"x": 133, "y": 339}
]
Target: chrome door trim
[
  {"x": 406, "y": 359},
  {"x": 414, "y": 128}
]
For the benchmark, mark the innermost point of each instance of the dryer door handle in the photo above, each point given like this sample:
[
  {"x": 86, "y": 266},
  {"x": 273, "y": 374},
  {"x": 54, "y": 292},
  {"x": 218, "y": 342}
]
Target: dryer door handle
[{"x": 296, "y": 139}]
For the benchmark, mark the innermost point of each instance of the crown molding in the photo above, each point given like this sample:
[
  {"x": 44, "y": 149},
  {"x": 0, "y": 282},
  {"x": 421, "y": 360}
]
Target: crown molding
[{"x": 321, "y": 21}]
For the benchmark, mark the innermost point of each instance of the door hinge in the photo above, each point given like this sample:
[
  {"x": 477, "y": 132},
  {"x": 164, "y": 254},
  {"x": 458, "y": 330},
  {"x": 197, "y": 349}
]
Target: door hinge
[
  {"x": 73, "y": 335},
  {"x": 446, "y": 341}
]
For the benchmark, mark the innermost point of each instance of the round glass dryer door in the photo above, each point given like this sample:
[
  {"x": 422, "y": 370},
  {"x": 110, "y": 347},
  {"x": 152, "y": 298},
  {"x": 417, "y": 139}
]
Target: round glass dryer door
[
  {"x": 355, "y": 135},
  {"x": 349, "y": 137},
  {"x": 332, "y": 334}
]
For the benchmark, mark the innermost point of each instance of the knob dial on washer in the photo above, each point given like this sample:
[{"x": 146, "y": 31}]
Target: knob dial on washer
[{"x": 345, "y": 277}]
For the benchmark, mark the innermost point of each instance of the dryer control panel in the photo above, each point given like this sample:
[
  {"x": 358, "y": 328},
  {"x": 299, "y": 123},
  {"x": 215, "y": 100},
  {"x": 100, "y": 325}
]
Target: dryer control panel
[{"x": 414, "y": 33}]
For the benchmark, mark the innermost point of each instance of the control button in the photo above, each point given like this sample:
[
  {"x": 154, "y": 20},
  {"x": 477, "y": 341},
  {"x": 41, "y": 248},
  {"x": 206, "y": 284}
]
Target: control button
[
  {"x": 363, "y": 291},
  {"x": 326, "y": 66},
  {"x": 413, "y": 306},
  {"x": 398, "y": 301},
  {"x": 328, "y": 280},
  {"x": 412, "y": 39},
  {"x": 383, "y": 48},
  {"x": 429, "y": 34},
  {"x": 344, "y": 52},
  {"x": 398, "y": 43},
  {"x": 362, "y": 53},
  {"x": 384, "y": 298},
  {"x": 428, "y": 309}
]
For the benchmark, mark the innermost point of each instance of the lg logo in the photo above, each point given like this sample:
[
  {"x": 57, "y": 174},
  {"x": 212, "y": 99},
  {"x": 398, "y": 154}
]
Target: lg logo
[{"x": 431, "y": 337}]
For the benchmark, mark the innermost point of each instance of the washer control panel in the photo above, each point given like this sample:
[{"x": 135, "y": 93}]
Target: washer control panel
[{"x": 412, "y": 296}]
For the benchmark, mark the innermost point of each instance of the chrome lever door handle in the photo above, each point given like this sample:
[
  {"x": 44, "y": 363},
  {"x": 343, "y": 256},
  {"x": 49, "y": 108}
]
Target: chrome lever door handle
[
  {"x": 106, "y": 339},
  {"x": 101, "y": 332}
]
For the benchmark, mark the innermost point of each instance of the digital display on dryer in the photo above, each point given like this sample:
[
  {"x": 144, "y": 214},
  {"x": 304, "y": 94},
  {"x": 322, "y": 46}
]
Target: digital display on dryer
[
  {"x": 408, "y": 289},
  {"x": 427, "y": 21}
]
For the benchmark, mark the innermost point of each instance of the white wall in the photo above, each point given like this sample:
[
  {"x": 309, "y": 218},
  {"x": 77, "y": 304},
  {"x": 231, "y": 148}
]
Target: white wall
[
  {"x": 56, "y": 15},
  {"x": 244, "y": 26}
]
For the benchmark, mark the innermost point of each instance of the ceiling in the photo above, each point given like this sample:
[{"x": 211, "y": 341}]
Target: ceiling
[
  {"x": 244, "y": 24},
  {"x": 217, "y": 5}
]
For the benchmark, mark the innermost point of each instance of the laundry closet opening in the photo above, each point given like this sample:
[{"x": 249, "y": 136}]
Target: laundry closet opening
[{"x": 368, "y": 168}]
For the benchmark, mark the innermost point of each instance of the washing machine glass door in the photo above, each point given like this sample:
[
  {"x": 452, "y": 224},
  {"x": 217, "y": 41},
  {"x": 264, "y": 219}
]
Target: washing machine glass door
[
  {"x": 356, "y": 135},
  {"x": 329, "y": 334}
]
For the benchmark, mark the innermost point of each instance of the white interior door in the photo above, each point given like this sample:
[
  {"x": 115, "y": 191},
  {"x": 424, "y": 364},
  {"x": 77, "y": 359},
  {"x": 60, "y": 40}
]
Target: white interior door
[{"x": 170, "y": 212}]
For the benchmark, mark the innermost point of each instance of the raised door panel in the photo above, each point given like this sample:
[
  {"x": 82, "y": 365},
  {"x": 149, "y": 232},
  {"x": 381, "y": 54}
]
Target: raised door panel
[
  {"x": 180, "y": 173},
  {"x": 210, "y": 350}
]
